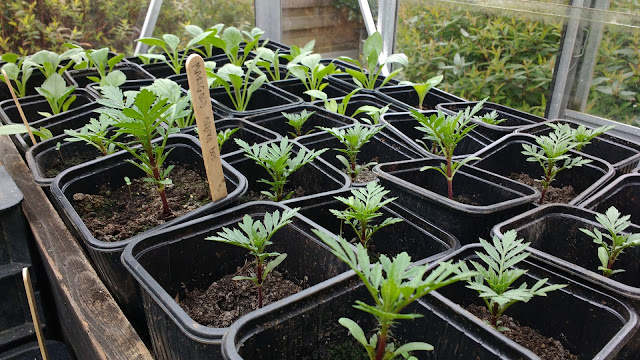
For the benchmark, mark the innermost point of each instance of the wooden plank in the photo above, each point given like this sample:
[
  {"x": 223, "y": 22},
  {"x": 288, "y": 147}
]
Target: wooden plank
[
  {"x": 296, "y": 4},
  {"x": 308, "y": 22},
  {"x": 90, "y": 318}
]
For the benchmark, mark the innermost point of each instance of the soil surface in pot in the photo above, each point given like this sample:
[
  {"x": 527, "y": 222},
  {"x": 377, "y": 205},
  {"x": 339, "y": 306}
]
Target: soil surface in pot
[
  {"x": 364, "y": 176},
  {"x": 59, "y": 163},
  {"x": 554, "y": 194},
  {"x": 545, "y": 347},
  {"x": 226, "y": 299},
  {"x": 119, "y": 214}
]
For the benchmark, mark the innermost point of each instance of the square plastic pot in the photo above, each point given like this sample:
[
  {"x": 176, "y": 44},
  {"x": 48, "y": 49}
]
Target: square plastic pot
[
  {"x": 381, "y": 148},
  {"x": 14, "y": 231},
  {"x": 73, "y": 119},
  {"x": 314, "y": 178},
  {"x": 164, "y": 263},
  {"x": 310, "y": 327},
  {"x": 345, "y": 80},
  {"x": 403, "y": 127},
  {"x": 131, "y": 71},
  {"x": 515, "y": 119},
  {"x": 495, "y": 198},
  {"x": 109, "y": 171},
  {"x": 623, "y": 155},
  {"x": 249, "y": 132},
  {"x": 406, "y": 95},
  {"x": 276, "y": 122},
  {"x": 505, "y": 157},
  {"x": 135, "y": 85},
  {"x": 589, "y": 323},
  {"x": 33, "y": 104},
  {"x": 553, "y": 231},
  {"x": 266, "y": 98},
  {"x": 35, "y": 80},
  {"x": 423, "y": 241},
  {"x": 623, "y": 193},
  {"x": 295, "y": 87}
]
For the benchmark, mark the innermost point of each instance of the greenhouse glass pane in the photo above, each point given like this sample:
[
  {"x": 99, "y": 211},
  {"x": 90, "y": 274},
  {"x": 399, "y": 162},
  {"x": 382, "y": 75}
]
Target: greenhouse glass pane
[
  {"x": 504, "y": 51},
  {"x": 336, "y": 25}
]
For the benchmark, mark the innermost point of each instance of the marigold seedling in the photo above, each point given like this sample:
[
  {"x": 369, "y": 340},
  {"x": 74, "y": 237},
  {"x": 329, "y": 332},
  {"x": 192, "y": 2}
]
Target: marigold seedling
[
  {"x": 57, "y": 93},
  {"x": 225, "y": 135},
  {"x": 581, "y": 135},
  {"x": 255, "y": 236},
  {"x": 180, "y": 111},
  {"x": 501, "y": 259},
  {"x": 446, "y": 132},
  {"x": 372, "y": 49},
  {"x": 353, "y": 139},
  {"x": 615, "y": 242},
  {"x": 393, "y": 285},
  {"x": 552, "y": 153},
  {"x": 297, "y": 121},
  {"x": 363, "y": 211},
  {"x": 96, "y": 134},
  {"x": 491, "y": 118},
  {"x": 279, "y": 162}
]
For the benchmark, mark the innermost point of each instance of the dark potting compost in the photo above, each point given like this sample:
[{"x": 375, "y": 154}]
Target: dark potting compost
[{"x": 554, "y": 194}]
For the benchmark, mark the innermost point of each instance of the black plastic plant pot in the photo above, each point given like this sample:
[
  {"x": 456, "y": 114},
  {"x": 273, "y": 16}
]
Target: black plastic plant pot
[
  {"x": 406, "y": 95},
  {"x": 623, "y": 193},
  {"x": 403, "y": 126},
  {"x": 276, "y": 122},
  {"x": 622, "y": 154},
  {"x": 553, "y": 231},
  {"x": 31, "y": 105},
  {"x": 295, "y": 87},
  {"x": 588, "y": 323},
  {"x": 247, "y": 131},
  {"x": 485, "y": 198},
  {"x": 134, "y": 85},
  {"x": 359, "y": 100},
  {"x": 160, "y": 70},
  {"x": 381, "y": 148},
  {"x": 423, "y": 241},
  {"x": 131, "y": 71},
  {"x": 345, "y": 80},
  {"x": 504, "y": 157},
  {"x": 49, "y": 158},
  {"x": 110, "y": 171},
  {"x": 35, "y": 80},
  {"x": 178, "y": 257},
  {"x": 14, "y": 231},
  {"x": 31, "y": 351},
  {"x": 514, "y": 119},
  {"x": 311, "y": 330},
  {"x": 73, "y": 119},
  {"x": 313, "y": 178},
  {"x": 266, "y": 98}
]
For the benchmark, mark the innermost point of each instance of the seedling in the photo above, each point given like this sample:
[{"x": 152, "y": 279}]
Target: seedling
[
  {"x": 95, "y": 134},
  {"x": 17, "y": 129},
  {"x": 270, "y": 63},
  {"x": 170, "y": 44},
  {"x": 331, "y": 104},
  {"x": 581, "y": 135},
  {"x": 239, "y": 85},
  {"x": 446, "y": 131},
  {"x": 363, "y": 210},
  {"x": 423, "y": 88},
  {"x": 353, "y": 139},
  {"x": 231, "y": 40},
  {"x": 374, "y": 113},
  {"x": 140, "y": 116},
  {"x": 393, "y": 285},
  {"x": 277, "y": 160},
  {"x": 257, "y": 236},
  {"x": 613, "y": 243},
  {"x": 372, "y": 49},
  {"x": 490, "y": 118},
  {"x": 206, "y": 41},
  {"x": 19, "y": 71},
  {"x": 49, "y": 62},
  {"x": 308, "y": 69},
  {"x": 552, "y": 155},
  {"x": 127, "y": 181},
  {"x": 297, "y": 121},
  {"x": 224, "y": 135},
  {"x": 180, "y": 110},
  {"x": 99, "y": 60},
  {"x": 501, "y": 259},
  {"x": 57, "y": 93}
]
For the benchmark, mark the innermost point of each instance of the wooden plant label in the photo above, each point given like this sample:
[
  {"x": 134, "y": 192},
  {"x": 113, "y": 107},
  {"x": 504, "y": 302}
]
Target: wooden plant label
[
  {"x": 201, "y": 100},
  {"x": 15, "y": 100}
]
